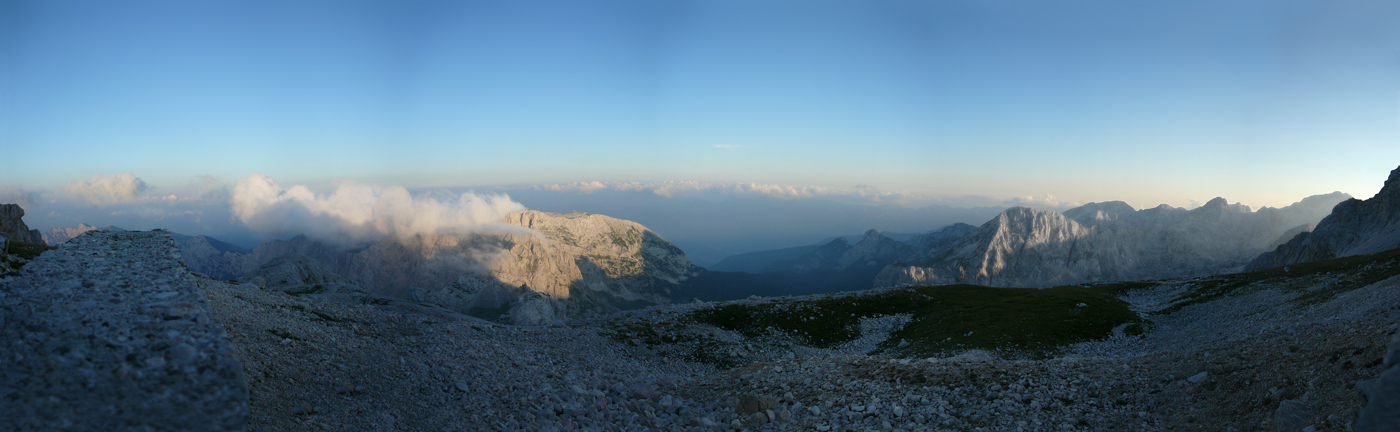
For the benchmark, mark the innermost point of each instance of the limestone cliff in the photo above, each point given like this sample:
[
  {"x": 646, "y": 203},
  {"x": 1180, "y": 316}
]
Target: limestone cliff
[{"x": 1354, "y": 227}]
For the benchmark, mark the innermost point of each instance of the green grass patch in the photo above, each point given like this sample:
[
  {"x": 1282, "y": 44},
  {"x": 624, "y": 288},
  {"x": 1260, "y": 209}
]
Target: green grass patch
[
  {"x": 27, "y": 251},
  {"x": 672, "y": 337},
  {"x": 1028, "y": 321}
]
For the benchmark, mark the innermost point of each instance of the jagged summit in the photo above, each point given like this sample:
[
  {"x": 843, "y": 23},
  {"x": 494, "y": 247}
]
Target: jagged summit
[
  {"x": 1101, "y": 212},
  {"x": 1355, "y": 227}
]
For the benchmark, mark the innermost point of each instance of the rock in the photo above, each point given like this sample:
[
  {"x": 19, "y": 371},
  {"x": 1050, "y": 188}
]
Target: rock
[
  {"x": 183, "y": 353},
  {"x": 1198, "y": 378},
  {"x": 1293, "y": 415},
  {"x": 758, "y": 418},
  {"x": 642, "y": 390},
  {"x": 1382, "y": 409},
  {"x": 13, "y": 228},
  {"x": 753, "y": 404}
]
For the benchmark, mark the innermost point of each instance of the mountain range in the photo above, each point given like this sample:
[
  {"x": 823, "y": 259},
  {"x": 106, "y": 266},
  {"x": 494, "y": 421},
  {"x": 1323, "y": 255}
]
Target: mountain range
[
  {"x": 1109, "y": 241},
  {"x": 539, "y": 267}
]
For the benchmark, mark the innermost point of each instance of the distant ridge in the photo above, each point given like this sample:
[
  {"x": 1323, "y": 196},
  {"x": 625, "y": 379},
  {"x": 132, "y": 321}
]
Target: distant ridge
[
  {"x": 59, "y": 236},
  {"x": 1109, "y": 241},
  {"x": 840, "y": 253},
  {"x": 1355, "y": 227}
]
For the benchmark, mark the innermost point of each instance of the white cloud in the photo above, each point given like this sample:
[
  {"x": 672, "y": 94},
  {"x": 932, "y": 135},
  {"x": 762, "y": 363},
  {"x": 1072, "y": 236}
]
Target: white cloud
[
  {"x": 1046, "y": 202},
  {"x": 355, "y": 212},
  {"x": 103, "y": 190},
  {"x": 26, "y": 198},
  {"x": 672, "y": 189},
  {"x": 585, "y": 187}
]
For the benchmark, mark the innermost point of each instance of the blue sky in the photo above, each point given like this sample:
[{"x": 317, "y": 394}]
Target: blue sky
[{"x": 1262, "y": 102}]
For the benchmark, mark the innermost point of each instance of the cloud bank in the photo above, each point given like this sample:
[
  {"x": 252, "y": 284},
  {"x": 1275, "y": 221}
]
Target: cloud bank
[
  {"x": 1047, "y": 202},
  {"x": 672, "y": 189},
  {"x": 359, "y": 213},
  {"x": 104, "y": 190}
]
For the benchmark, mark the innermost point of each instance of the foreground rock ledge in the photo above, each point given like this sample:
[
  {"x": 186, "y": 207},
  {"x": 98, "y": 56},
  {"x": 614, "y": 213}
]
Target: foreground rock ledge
[{"x": 108, "y": 332}]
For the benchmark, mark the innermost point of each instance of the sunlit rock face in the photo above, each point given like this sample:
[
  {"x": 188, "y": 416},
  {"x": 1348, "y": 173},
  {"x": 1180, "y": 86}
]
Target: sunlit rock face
[
  {"x": 1355, "y": 227},
  {"x": 1109, "y": 242},
  {"x": 532, "y": 267},
  {"x": 565, "y": 265}
]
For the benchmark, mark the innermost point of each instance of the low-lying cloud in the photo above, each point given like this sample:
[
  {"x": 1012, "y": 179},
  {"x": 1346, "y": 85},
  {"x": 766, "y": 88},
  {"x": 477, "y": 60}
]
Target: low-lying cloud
[
  {"x": 359, "y": 213},
  {"x": 672, "y": 189},
  {"x": 103, "y": 190},
  {"x": 1047, "y": 202}
]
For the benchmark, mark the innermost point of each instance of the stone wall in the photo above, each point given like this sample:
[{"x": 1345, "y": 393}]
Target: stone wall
[{"x": 109, "y": 332}]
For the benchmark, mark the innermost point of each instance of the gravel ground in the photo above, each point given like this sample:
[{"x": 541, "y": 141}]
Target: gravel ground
[
  {"x": 1251, "y": 362},
  {"x": 1258, "y": 360}
]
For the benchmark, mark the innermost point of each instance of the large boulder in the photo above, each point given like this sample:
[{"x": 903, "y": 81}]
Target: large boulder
[{"x": 12, "y": 225}]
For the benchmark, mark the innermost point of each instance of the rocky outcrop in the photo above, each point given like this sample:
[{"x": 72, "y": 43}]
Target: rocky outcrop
[
  {"x": 109, "y": 332},
  {"x": 1354, "y": 227},
  {"x": 1108, "y": 242},
  {"x": 12, "y": 225},
  {"x": 57, "y": 236},
  {"x": 532, "y": 267}
]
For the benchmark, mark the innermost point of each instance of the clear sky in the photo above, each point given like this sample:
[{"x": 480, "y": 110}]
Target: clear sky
[{"x": 1262, "y": 102}]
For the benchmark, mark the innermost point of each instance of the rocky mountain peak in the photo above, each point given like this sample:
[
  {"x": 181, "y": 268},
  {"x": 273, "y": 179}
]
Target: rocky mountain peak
[{"x": 1100, "y": 212}]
